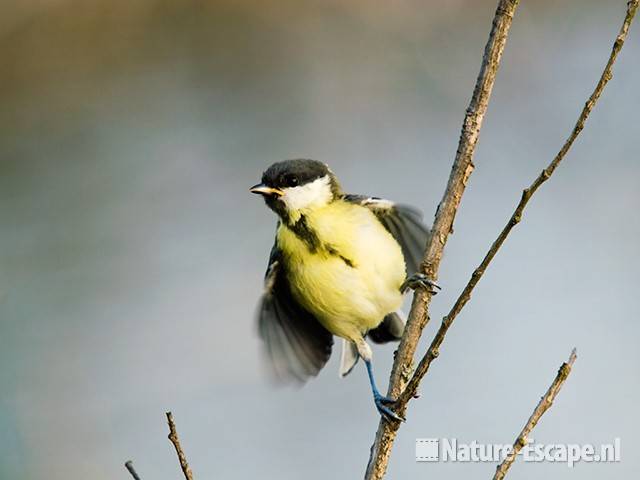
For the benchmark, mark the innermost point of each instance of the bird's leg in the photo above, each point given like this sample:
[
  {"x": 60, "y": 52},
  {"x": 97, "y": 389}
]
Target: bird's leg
[
  {"x": 419, "y": 280},
  {"x": 380, "y": 400}
]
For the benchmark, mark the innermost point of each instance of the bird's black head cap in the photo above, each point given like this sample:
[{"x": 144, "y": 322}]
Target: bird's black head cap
[
  {"x": 292, "y": 173},
  {"x": 282, "y": 182}
]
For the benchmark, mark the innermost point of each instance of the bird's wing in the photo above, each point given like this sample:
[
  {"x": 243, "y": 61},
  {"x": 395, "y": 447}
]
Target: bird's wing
[
  {"x": 404, "y": 223},
  {"x": 297, "y": 345}
]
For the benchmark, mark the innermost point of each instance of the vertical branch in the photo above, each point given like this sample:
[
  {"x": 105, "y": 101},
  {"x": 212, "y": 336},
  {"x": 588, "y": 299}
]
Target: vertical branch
[
  {"x": 433, "y": 351},
  {"x": 545, "y": 403},
  {"x": 173, "y": 436},
  {"x": 442, "y": 227}
]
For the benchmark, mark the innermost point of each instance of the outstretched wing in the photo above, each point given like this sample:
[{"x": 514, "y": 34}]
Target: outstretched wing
[
  {"x": 297, "y": 345},
  {"x": 401, "y": 221}
]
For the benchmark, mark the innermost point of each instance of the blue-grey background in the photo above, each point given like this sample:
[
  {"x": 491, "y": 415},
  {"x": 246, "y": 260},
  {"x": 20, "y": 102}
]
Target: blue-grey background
[{"x": 132, "y": 254}]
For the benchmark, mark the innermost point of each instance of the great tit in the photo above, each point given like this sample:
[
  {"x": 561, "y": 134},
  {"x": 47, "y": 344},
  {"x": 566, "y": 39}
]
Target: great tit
[{"x": 339, "y": 266}]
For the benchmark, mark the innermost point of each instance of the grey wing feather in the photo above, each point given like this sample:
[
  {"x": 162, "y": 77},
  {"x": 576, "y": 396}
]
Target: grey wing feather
[
  {"x": 390, "y": 330},
  {"x": 403, "y": 222},
  {"x": 297, "y": 345}
]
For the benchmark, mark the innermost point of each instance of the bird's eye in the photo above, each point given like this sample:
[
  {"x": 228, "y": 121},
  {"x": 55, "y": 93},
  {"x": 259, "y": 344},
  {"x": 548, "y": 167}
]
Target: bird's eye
[{"x": 290, "y": 180}]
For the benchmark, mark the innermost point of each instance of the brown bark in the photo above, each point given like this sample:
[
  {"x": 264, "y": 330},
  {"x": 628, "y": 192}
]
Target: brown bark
[
  {"x": 545, "y": 403},
  {"x": 516, "y": 217},
  {"x": 445, "y": 215},
  {"x": 442, "y": 227},
  {"x": 182, "y": 458}
]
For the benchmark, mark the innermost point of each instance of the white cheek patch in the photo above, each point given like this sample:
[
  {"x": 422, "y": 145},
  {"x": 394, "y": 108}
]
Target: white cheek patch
[{"x": 312, "y": 194}]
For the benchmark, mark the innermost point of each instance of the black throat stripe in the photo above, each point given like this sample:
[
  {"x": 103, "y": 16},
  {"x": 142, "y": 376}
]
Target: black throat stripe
[
  {"x": 310, "y": 238},
  {"x": 305, "y": 233}
]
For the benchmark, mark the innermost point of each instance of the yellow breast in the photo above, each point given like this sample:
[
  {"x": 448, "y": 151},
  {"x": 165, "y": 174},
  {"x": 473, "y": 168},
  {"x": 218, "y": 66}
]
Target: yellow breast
[{"x": 351, "y": 280}]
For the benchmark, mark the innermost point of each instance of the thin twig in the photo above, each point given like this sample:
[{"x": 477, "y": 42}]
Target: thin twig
[
  {"x": 442, "y": 227},
  {"x": 465, "y": 296},
  {"x": 129, "y": 466},
  {"x": 545, "y": 403},
  {"x": 173, "y": 436}
]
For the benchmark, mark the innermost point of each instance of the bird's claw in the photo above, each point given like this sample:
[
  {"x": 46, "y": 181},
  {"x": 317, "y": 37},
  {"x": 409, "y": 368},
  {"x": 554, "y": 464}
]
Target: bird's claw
[
  {"x": 420, "y": 280},
  {"x": 388, "y": 414}
]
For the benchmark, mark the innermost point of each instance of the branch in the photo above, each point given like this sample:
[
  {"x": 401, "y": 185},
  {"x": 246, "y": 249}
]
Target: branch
[
  {"x": 545, "y": 403},
  {"x": 129, "y": 466},
  {"x": 465, "y": 296},
  {"x": 442, "y": 227},
  {"x": 173, "y": 436}
]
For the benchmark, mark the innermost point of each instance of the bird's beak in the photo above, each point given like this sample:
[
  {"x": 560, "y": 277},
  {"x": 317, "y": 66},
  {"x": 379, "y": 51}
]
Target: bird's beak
[{"x": 264, "y": 190}]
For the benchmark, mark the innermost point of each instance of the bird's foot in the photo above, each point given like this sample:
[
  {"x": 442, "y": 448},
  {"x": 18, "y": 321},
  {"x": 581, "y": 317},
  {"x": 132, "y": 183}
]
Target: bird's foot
[
  {"x": 382, "y": 404},
  {"x": 419, "y": 280}
]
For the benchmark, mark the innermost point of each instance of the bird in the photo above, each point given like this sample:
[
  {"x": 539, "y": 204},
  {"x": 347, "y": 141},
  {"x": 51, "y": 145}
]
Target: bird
[{"x": 339, "y": 266}]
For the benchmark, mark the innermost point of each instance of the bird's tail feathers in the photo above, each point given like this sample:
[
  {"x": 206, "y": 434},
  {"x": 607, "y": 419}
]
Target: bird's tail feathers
[
  {"x": 349, "y": 357},
  {"x": 390, "y": 330}
]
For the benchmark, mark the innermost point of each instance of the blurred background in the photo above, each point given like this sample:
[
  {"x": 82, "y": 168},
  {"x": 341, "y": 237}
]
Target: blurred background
[{"x": 132, "y": 254}]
